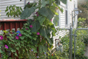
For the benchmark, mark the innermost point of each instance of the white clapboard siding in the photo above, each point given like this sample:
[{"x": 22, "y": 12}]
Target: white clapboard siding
[
  {"x": 5, "y": 3},
  {"x": 62, "y": 16}
]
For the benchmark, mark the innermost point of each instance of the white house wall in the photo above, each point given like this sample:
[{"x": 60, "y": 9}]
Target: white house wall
[
  {"x": 71, "y": 6},
  {"x": 62, "y": 16}
]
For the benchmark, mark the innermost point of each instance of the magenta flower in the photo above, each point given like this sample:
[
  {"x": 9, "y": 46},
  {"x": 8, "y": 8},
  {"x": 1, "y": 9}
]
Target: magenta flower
[
  {"x": 30, "y": 26},
  {"x": 38, "y": 33},
  {"x": 17, "y": 37},
  {"x": 20, "y": 34},
  {"x": 36, "y": 12},
  {"x": 6, "y": 46},
  {"x": 28, "y": 2},
  {"x": 1, "y": 37},
  {"x": 51, "y": 19},
  {"x": 26, "y": 28}
]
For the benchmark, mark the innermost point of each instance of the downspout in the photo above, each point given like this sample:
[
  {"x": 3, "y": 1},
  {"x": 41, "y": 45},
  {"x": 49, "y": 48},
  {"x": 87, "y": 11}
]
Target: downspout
[
  {"x": 24, "y": 2},
  {"x": 67, "y": 13},
  {"x": 75, "y": 18}
]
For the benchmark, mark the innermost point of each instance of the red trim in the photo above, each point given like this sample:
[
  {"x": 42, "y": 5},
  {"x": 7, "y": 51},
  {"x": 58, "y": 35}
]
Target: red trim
[{"x": 13, "y": 20}]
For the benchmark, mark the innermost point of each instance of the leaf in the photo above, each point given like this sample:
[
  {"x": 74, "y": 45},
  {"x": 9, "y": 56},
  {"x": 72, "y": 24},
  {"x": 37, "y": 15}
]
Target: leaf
[
  {"x": 17, "y": 48},
  {"x": 40, "y": 49},
  {"x": 36, "y": 26},
  {"x": 44, "y": 48},
  {"x": 56, "y": 20},
  {"x": 44, "y": 33},
  {"x": 41, "y": 19},
  {"x": 43, "y": 3},
  {"x": 5, "y": 31},
  {"x": 57, "y": 2},
  {"x": 46, "y": 12},
  {"x": 27, "y": 12},
  {"x": 22, "y": 37},
  {"x": 13, "y": 50},
  {"x": 16, "y": 54},
  {"x": 64, "y": 1},
  {"x": 18, "y": 44},
  {"x": 1, "y": 51}
]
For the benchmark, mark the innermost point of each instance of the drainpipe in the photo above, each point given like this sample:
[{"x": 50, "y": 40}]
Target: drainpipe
[
  {"x": 34, "y": 1},
  {"x": 24, "y": 2},
  {"x": 70, "y": 42}
]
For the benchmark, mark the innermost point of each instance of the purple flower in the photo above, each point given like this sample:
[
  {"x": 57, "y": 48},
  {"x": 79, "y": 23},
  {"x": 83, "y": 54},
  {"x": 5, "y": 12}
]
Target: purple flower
[
  {"x": 31, "y": 49},
  {"x": 17, "y": 37},
  {"x": 45, "y": 53},
  {"x": 36, "y": 13},
  {"x": 38, "y": 33},
  {"x": 1, "y": 37},
  {"x": 6, "y": 46},
  {"x": 20, "y": 34},
  {"x": 28, "y": 2},
  {"x": 26, "y": 28},
  {"x": 30, "y": 26},
  {"x": 37, "y": 56},
  {"x": 51, "y": 19}
]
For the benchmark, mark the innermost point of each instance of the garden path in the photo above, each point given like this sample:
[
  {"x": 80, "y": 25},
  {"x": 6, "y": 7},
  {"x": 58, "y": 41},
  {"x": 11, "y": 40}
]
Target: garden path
[{"x": 86, "y": 52}]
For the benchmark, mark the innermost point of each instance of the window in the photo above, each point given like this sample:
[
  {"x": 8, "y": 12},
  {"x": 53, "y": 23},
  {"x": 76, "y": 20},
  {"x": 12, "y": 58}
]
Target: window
[{"x": 66, "y": 18}]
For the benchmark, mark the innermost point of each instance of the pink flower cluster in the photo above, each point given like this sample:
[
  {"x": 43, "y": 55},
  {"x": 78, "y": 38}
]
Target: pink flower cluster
[
  {"x": 51, "y": 20},
  {"x": 38, "y": 33},
  {"x": 26, "y": 28},
  {"x": 30, "y": 26},
  {"x": 1, "y": 37},
  {"x": 28, "y": 2},
  {"x": 6, "y": 46},
  {"x": 17, "y": 37}
]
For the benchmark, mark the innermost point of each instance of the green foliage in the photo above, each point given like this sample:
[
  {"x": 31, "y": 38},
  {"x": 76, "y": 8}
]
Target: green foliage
[
  {"x": 46, "y": 12},
  {"x": 80, "y": 45},
  {"x": 27, "y": 12},
  {"x": 84, "y": 37},
  {"x": 36, "y": 36},
  {"x": 64, "y": 1},
  {"x": 58, "y": 1},
  {"x": 83, "y": 5},
  {"x": 81, "y": 22},
  {"x": 46, "y": 8},
  {"x": 56, "y": 20},
  {"x": 13, "y": 11},
  {"x": 29, "y": 5}
]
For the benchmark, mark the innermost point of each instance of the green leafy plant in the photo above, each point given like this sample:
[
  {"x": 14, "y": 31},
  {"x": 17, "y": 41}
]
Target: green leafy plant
[
  {"x": 13, "y": 11},
  {"x": 80, "y": 46},
  {"x": 81, "y": 22},
  {"x": 36, "y": 36}
]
